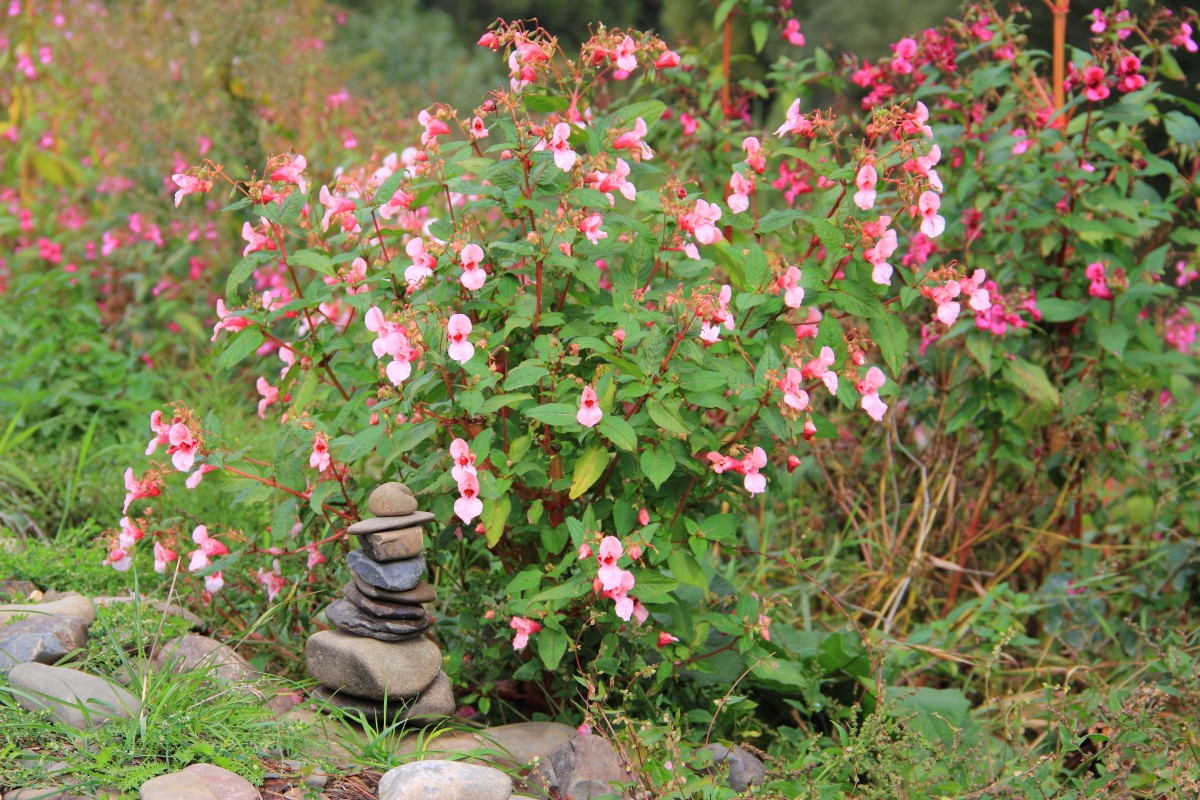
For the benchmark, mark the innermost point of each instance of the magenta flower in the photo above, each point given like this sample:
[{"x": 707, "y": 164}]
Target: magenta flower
[
  {"x": 633, "y": 142},
  {"x": 524, "y": 628},
  {"x": 869, "y": 389},
  {"x": 256, "y": 240},
  {"x": 468, "y": 506},
  {"x": 792, "y": 34},
  {"x": 589, "y": 414},
  {"x": 458, "y": 328},
  {"x": 866, "y": 180},
  {"x": 319, "y": 459},
  {"x": 463, "y": 458},
  {"x": 932, "y": 223},
  {"x": 292, "y": 171},
  {"x": 1095, "y": 84},
  {"x": 473, "y": 275}
]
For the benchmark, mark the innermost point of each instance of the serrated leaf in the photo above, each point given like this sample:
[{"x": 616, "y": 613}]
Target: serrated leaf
[
  {"x": 1055, "y": 310},
  {"x": 618, "y": 431},
  {"x": 244, "y": 269},
  {"x": 241, "y": 344},
  {"x": 361, "y": 443},
  {"x": 499, "y": 401},
  {"x": 686, "y": 569},
  {"x": 560, "y": 415},
  {"x": 1032, "y": 381},
  {"x": 658, "y": 465},
  {"x": 494, "y": 517},
  {"x": 1114, "y": 338},
  {"x": 774, "y": 220},
  {"x": 311, "y": 259},
  {"x": 588, "y": 469},
  {"x": 889, "y": 333},
  {"x": 563, "y": 591},
  {"x": 524, "y": 375},
  {"x": 290, "y": 210},
  {"x": 552, "y": 646},
  {"x": 651, "y": 586},
  {"x": 283, "y": 517},
  {"x": 667, "y": 418}
]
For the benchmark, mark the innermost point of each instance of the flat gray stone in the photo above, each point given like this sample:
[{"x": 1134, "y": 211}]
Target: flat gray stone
[
  {"x": 393, "y": 545},
  {"x": 394, "y": 576},
  {"x": 435, "y": 702},
  {"x": 381, "y": 524},
  {"x": 526, "y": 741},
  {"x": 46, "y": 640},
  {"x": 392, "y": 499},
  {"x": 373, "y": 669},
  {"x": 744, "y": 768},
  {"x": 73, "y": 605},
  {"x": 382, "y": 608},
  {"x": 421, "y": 593},
  {"x": 193, "y": 651},
  {"x": 346, "y": 616},
  {"x": 444, "y": 780},
  {"x": 74, "y": 698},
  {"x": 583, "y": 768},
  {"x": 199, "y": 782}
]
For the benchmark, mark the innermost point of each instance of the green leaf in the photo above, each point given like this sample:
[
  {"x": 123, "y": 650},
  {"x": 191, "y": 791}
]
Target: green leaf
[
  {"x": 1032, "y": 381},
  {"x": 588, "y": 469},
  {"x": 648, "y": 110},
  {"x": 1114, "y": 338},
  {"x": 545, "y": 103},
  {"x": 361, "y": 443},
  {"x": 667, "y": 418},
  {"x": 890, "y": 334},
  {"x": 619, "y": 432},
  {"x": 562, "y": 591},
  {"x": 524, "y": 374},
  {"x": 774, "y": 220},
  {"x": 311, "y": 259},
  {"x": 244, "y": 269},
  {"x": 560, "y": 415},
  {"x": 240, "y": 345},
  {"x": 409, "y": 436},
  {"x": 759, "y": 30},
  {"x": 282, "y": 519},
  {"x": 658, "y": 465},
  {"x": 757, "y": 269},
  {"x": 651, "y": 586},
  {"x": 289, "y": 212},
  {"x": 552, "y": 646},
  {"x": 499, "y": 401},
  {"x": 494, "y": 517},
  {"x": 723, "y": 12},
  {"x": 686, "y": 568},
  {"x": 1055, "y": 310},
  {"x": 1182, "y": 129}
]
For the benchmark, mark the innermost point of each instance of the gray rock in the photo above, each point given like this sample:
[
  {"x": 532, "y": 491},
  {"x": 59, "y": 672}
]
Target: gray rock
[
  {"x": 744, "y": 768},
  {"x": 381, "y": 524},
  {"x": 422, "y": 593},
  {"x": 392, "y": 499},
  {"x": 199, "y": 782},
  {"x": 373, "y": 669},
  {"x": 525, "y": 741},
  {"x": 18, "y": 590},
  {"x": 382, "y": 608},
  {"x": 74, "y": 605},
  {"x": 74, "y": 698},
  {"x": 435, "y": 702},
  {"x": 583, "y": 768},
  {"x": 193, "y": 651},
  {"x": 393, "y": 545},
  {"x": 346, "y": 616},
  {"x": 444, "y": 780},
  {"x": 394, "y": 576},
  {"x": 46, "y": 640}
]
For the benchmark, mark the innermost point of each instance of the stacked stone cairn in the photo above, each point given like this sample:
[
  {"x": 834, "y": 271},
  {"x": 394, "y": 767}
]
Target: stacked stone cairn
[{"x": 379, "y": 662}]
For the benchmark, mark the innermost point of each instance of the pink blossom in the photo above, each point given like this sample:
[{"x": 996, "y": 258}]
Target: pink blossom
[
  {"x": 292, "y": 171},
  {"x": 468, "y": 506},
  {"x": 226, "y": 321},
  {"x": 161, "y": 431},
  {"x": 617, "y": 180},
  {"x": 1184, "y": 38},
  {"x": 624, "y": 54},
  {"x": 609, "y": 573},
  {"x": 589, "y": 414},
  {"x": 689, "y": 123},
  {"x": 754, "y": 154},
  {"x": 669, "y": 58},
  {"x": 1023, "y": 141},
  {"x": 721, "y": 463},
  {"x": 148, "y": 486},
  {"x": 473, "y": 275},
  {"x": 315, "y": 556},
  {"x": 701, "y": 222},
  {"x": 741, "y": 188},
  {"x": 819, "y": 367},
  {"x": 918, "y": 121},
  {"x": 619, "y": 594},
  {"x": 214, "y": 583},
  {"x": 269, "y": 394},
  {"x": 255, "y": 240},
  {"x": 1095, "y": 84},
  {"x": 119, "y": 559},
  {"x": 793, "y": 396},
  {"x": 791, "y": 32},
  {"x": 1129, "y": 79},
  {"x": 478, "y": 128},
  {"x": 1098, "y": 287},
  {"x": 434, "y": 128},
  {"x": 319, "y": 459},
  {"x": 1099, "y": 23},
  {"x": 209, "y": 548},
  {"x": 643, "y": 519},
  {"x": 559, "y": 143},
  {"x": 932, "y": 223},
  {"x": 795, "y": 123},
  {"x": 811, "y": 325},
  {"x": 163, "y": 555},
  {"x": 718, "y": 314},
  {"x": 391, "y": 340},
  {"x": 879, "y": 253},
  {"x": 869, "y": 389},
  {"x": 866, "y": 180},
  {"x": 633, "y": 142},
  {"x": 754, "y": 481},
  {"x": 194, "y": 479},
  {"x": 665, "y": 639},
  {"x": 585, "y": 551},
  {"x": 764, "y": 627},
  {"x": 590, "y": 227},
  {"x": 458, "y": 328},
  {"x": 189, "y": 184},
  {"x": 464, "y": 459},
  {"x": 183, "y": 446},
  {"x": 789, "y": 286},
  {"x": 338, "y": 209},
  {"x": 423, "y": 263},
  {"x": 906, "y": 51},
  {"x": 524, "y": 628}
]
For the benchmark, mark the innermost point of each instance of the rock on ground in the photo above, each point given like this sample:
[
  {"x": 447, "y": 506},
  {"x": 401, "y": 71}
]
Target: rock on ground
[
  {"x": 444, "y": 780},
  {"x": 75, "y": 605},
  {"x": 199, "y": 782},
  {"x": 43, "y": 639},
  {"x": 370, "y": 668},
  {"x": 525, "y": 741},
  {"x": 74, "y": 698},
  {"x": 193, "y": 651},
  {"x": 744, "y": 767},
  {"x": 583, "y": 768}
]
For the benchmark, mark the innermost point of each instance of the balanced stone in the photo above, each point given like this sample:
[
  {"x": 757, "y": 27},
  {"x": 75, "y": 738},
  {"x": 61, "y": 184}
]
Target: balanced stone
[
  {"x": 350, "y": 618},
  {"x": 392, "y": 499},
  {"x": 435, "y": 701},
  {"x": 381, "y": 524},
  {"x": 393, "y": 545},
  {"x": 422, "y": 593},
  {"x": 372, "y": 669},
  {"x": 395, "y": 576},
  {"x": 382, "y": 608}
]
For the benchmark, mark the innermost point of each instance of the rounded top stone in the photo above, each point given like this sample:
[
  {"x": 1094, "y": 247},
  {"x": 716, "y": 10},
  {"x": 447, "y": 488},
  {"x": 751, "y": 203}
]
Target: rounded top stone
[{"x": 392, "y": 499}]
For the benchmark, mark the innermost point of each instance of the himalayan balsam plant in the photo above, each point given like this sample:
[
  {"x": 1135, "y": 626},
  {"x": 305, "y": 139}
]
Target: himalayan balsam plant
[{"x": 595, "y": 335}]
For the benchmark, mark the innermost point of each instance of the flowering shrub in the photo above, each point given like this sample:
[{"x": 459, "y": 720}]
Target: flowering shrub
[{"x": 598, "y": 336}]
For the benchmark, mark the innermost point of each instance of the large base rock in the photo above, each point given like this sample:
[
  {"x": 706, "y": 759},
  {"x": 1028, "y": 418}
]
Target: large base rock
[{"x": 372, "y": 669}]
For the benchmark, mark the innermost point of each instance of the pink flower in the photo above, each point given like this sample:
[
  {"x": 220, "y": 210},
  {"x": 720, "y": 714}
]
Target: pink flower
[
  {"x": 559, "y": 143},
  {"x": 754, "y": 154},
  {"x": 619, "y": 594},
  {"x": 194, "y": 479},
  {"x": 226, "y": 321},
  {"x": 337, "y": 209},
  {"x": 754, "y": 482},
  {"x": 256, "y": 240},
  {"x": 292, "y": 172},
  {"x": 1099, "y": 23},
  {"x": 1184, "y": 38},
  {"x": 458, "y": 328},
  {"x": 463, "y": 458},
  {"x": 163, "y": 555},
  {"x": 478, "y": 129},
  {"x": 796, "y": 123},
  {"x": 879, "y": 253},
  {"x": 214, "y": 583},
  {"x": 269, "y": 394},
  {"x": 819, "y": 367},
  {"x": 473, "y": 275},
  {"x": 119, "y": 559},
  {"x": 183, "y": 446},
  {"x": 721, "y": 463},
  {"x": 792, "y": 34},
  {"x": 789, "y": 285},
  {"x": 1023, "y": 141},
  {"x": 615, "y": 181},
  {"x": 869, "y": 389},
  {"x": 434, "y": 127},
  {"x": 764, "y": 627},
  {"x": 741, "y": 188},
  {"x": 209, "y": 548},
  {"x": 932, "y": 224},
  {"x": 643, "y": 519},
  {"x": 689, "y": 123},
  {"x": 793, "y": 396},
  {"x": 319, "y": 459},
  {"x": 665, "y": 639},
  {"x": 390, "y": 340},
  {"x": 189, "y": 184},
  {"x": 589, "y": 414},
  {"x": 423, "y": 263},
  {"x": 1095, "y": 84},
  {"x": 161, "y": 431},
  {"x": 710, "y": 328},
  {"x": 468, "y": 506},
  {"x": 149, "y": 486},
  {"x": 585, "y": 551},
  {"x": 272, "y": 580},
  {"x": 866, "y": 180},
  {"x": 669, "y": 58},
  {"x": 524, "y": 628},
  {"x": 633, "y": 142},
  {"x": 701, "y": 222},
  {"x": 315, "y": 556},
  {"x": 609, "y": 573},
  {"x": 1129, "y": 79},
  {"x": 590, "y": 227}
]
